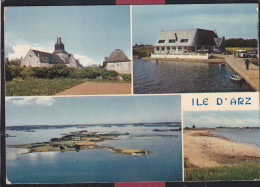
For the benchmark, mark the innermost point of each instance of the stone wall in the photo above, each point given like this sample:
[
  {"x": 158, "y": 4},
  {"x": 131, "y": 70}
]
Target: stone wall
[{"x": 120, "y": 67}]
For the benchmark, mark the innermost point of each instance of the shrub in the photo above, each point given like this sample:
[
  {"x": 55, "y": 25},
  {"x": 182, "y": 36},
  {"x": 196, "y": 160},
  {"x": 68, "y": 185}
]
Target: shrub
[
  {"x": 12, "y": 72},
  {"x": 127, "y": 77}
]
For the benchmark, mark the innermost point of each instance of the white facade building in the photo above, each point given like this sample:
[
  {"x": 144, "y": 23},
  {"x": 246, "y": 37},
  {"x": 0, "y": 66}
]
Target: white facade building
[{"x": 188, "y": 43}]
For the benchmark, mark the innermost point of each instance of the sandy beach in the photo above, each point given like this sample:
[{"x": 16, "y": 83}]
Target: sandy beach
[
  {"x": 98, "y": 88},
  {"x": 205, "y": 149}
]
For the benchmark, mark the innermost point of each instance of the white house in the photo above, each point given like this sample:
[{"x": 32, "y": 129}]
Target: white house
[
  {"x": 118, "y": 61},
  {"x": 188, "y": 43}
]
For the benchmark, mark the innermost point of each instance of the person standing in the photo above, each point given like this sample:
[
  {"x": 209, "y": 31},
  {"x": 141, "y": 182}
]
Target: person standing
[{"x": 247, "y": 63}]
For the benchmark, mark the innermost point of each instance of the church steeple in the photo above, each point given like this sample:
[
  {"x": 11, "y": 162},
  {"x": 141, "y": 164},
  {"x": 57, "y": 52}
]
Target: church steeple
[{"x": 59, "y": 47}]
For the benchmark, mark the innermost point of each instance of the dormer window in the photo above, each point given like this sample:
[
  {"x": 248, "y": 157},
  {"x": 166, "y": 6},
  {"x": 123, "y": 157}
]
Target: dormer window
[
  {"x": 172, "y": 40},
  {"x": 161, "y": 41},
  {"x": 184, "y": 40}
]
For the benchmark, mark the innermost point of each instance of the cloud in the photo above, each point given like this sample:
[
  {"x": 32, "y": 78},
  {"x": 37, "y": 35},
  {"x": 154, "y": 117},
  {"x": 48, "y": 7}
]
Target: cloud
[
  {"x": 215, "y": 119},
  {"x": 86, "y": 61},
  {"x": 20, "y": 50},
  {"x": 43, "y": 101}
]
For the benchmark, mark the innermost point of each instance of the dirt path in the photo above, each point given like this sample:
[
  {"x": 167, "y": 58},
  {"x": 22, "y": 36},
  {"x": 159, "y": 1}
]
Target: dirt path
[
  {"x": 203, "y": 150},
  {"x": 98, "y": 88}
]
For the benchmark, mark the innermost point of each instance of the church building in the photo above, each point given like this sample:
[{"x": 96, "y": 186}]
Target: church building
[{"x": 35, "y": 58}]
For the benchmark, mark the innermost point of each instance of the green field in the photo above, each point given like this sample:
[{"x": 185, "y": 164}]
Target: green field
[
  {"x": 39, "y": 86},
  {"x": 247, "y": 171}
]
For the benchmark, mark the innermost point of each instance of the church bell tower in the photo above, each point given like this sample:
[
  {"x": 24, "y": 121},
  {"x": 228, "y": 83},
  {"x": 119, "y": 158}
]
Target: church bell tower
[{"x": 59, "y": 47}]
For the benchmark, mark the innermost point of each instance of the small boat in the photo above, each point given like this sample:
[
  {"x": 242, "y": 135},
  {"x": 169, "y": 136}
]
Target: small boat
[
  {"x": 236, "y": 78},
  {"x": 222, "y": 65}
]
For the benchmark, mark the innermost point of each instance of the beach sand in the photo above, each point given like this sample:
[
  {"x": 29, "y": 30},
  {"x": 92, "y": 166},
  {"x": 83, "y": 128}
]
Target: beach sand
[
  {"x": 98, "y": 88},
  {"x": 205, "y": 149}
]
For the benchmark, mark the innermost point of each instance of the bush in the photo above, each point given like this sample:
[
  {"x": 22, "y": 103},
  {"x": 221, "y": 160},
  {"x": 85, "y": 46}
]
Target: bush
[
  {"x": 39, "y": 72},
  {"x": 127, "y": 77},
  {"x": 12, "y": 72},
  {"x": 55, "y": 71},
  {"x": 59, "y": 71}
]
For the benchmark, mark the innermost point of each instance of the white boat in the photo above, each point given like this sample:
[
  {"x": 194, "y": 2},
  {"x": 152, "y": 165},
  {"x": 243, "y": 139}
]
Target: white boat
[{"x": 235, "y": 78}]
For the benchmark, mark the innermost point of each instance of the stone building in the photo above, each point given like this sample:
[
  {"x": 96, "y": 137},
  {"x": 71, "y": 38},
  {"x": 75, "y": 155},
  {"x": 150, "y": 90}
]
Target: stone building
[
  {"x": 188, "y": 42},
  {"x": 118, "y": 61},
  {"x": 35, "y": 58}
]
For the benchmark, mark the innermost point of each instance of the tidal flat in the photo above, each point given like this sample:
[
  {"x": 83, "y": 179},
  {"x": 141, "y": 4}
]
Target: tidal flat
[{"x": 209, "y": 155}]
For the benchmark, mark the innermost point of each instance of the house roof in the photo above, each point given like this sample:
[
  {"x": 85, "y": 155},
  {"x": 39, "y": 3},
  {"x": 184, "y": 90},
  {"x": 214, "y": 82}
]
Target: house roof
[
  {"x": 48, "y": 57},
  {"x": 186, "y": 37},
  {"x": 117, "y": 56}
]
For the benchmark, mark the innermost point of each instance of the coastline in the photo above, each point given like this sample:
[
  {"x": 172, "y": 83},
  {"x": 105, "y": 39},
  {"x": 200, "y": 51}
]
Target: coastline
[
  {"x": 80, "y": 140},
  {"x": 203, "y": 148}
]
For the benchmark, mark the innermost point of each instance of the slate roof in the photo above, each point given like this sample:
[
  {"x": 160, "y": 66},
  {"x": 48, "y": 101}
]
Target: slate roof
[
  {"x": 117, "y": 56},
  {"x": 48, "y": 57},
  {"x": 186, "y": 37}
]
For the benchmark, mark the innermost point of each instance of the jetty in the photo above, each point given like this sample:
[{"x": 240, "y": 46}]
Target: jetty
[{"x": 251, "y": 75}]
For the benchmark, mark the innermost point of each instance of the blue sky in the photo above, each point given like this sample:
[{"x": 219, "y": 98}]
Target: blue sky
[
  {"x": 241, "y": 118},
  {"x": 229, "y": 20},
  {"x": 89, "y": 32},
  {"x": 92, "y": 110},
  {"x": 93, "y": 32}
]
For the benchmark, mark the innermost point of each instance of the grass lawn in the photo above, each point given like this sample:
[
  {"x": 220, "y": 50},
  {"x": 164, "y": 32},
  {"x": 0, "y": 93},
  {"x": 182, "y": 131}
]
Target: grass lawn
[
  {"x": 247, "y": 171},
  {"x": 38, "y": 86}
]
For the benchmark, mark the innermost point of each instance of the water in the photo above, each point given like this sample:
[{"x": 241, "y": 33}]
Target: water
[
  {"x": 97, "y": 165},
  {"x": 248, "y": 136},
  {"x": 183, "y": 77}
]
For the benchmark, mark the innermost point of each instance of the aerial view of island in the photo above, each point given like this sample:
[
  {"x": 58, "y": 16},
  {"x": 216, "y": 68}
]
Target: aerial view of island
[
  {"x": 58, "y": 145},
  {"x": 223, "y": 146},
  {"x": 79, "y": 140}
]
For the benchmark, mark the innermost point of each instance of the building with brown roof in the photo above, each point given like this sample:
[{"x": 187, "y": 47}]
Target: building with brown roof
[
  {"x": 118, "y": 61},
  {"x": 35, "y": 58}
]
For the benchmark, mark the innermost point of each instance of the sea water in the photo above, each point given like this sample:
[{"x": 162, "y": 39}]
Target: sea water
[
  {"x": 164, "y": 163},
  {"x": 183, "y": 77},
  {"x": 248, "y": 136}
]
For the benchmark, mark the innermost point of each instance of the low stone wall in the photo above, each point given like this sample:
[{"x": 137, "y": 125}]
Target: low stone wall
[
  {"x": 120, "y": 67},
  {"x": 188, "y": 56}
]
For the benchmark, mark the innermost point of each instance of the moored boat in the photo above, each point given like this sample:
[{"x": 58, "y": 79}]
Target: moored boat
[{"x": 235, "y": 78}]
